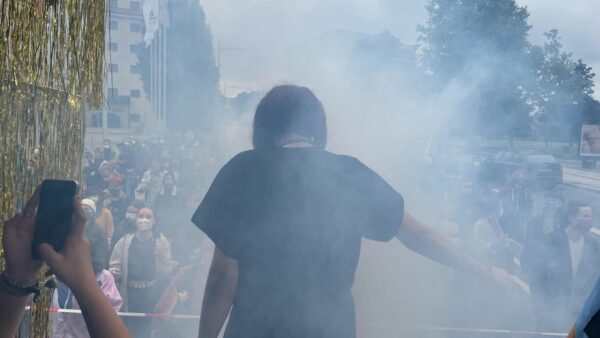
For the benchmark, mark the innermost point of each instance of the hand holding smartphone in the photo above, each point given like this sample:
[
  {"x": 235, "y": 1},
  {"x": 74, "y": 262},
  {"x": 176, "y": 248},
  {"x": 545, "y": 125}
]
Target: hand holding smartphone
[{"x": 54, "y": 214}]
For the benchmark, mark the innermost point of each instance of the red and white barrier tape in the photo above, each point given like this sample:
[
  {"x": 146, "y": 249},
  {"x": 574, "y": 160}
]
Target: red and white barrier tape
[
  {"x": 491, "y": 331},
  {"x": 423, "y": 328},
  {"x": 129, "y": 314}
]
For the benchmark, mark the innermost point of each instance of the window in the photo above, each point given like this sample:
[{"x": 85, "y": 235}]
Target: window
[
  {"x": 113, "y": 67},
  {"x": 113, "y": 120},
  {"x": 114, "y": 3},
  {"x": 135, "y": 27},
  {"x": 134, "y": 48},
  {"x": 113, "y": 46},
  {"x": 114, "y": 25},
  {"x": 134, "y": 93},
  {"x": 134, "y": 69},
  {"x": 113, "y": 92},
  {"x": 134, "y": 5},
  {"x": 134, "y": 118}
]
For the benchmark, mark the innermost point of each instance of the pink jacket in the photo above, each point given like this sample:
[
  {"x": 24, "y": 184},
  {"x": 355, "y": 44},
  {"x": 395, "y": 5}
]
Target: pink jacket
[{"x": 72, "y": 325}]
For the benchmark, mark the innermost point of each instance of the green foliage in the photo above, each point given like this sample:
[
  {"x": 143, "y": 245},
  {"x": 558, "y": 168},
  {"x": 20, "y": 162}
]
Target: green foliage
[
  {"x": 192, "y": 77},
  {"x": 481, "y": 44},
  {"x": 463, "y": 33},
  {"x": 562, "y": 92},
  {"x": 192, "y": 74}
]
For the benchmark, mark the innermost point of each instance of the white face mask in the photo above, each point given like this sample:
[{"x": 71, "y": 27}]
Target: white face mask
[{"x": 143, "y": 224}]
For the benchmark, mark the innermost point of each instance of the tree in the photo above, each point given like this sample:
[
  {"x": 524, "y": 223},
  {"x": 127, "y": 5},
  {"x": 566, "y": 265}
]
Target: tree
[
  {"x": 482, "y": 45},
  {"x": 562, "y": 96},
  {"x": 143, "y": 65},
  {"x": 381, "y": 59},
  {"x": 192, "y": 75}
]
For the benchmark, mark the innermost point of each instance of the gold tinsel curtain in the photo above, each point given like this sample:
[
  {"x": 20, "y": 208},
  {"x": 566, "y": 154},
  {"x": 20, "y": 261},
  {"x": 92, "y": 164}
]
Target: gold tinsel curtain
[{"x": 51, "y": 68}]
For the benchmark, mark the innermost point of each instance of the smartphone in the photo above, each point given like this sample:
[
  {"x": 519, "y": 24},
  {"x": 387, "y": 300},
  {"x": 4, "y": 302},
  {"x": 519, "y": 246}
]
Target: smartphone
[{"x": 54, "y": 214}]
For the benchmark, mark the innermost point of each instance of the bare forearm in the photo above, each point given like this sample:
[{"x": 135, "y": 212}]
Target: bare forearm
[
  {"x": 11, "y": 311},
  {"x": 419, "y": 238},
  {"x": 218, "y": 299},
  {"x": 100, "y": 318}
]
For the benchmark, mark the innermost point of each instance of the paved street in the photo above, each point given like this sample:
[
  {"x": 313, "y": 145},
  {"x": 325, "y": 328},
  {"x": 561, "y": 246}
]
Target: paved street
[
  {"x": 574, "y": 175},
  {"x": 582, "y": 184}
]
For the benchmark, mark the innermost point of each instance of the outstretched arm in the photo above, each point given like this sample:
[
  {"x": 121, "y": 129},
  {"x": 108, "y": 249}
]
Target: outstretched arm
[
  {"x": 425, "y": 241},
  {"x": 218, "y": 295}
]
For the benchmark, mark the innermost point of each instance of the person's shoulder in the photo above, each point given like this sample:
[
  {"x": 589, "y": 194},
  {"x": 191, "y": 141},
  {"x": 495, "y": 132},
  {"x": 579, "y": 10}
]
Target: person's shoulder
[
  {"x": 555, "y": 239},
  {"x": 241, "y": 158},
  {"x": 341, "y": 157},
  {"x": 593, "y": 240},
  {"x": 346, "y": 161},
  {"x": 124, "y": 239}
]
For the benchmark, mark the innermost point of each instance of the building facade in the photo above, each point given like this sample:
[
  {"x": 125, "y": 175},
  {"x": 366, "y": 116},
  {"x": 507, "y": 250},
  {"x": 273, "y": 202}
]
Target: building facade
[{"x": 130, "y": 110}]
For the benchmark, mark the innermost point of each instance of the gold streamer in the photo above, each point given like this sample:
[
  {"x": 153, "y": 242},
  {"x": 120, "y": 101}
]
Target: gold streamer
[{"x": 51, "y": 67}]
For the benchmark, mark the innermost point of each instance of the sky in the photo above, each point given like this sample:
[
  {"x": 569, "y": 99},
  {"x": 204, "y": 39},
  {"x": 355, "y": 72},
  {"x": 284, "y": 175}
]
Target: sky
[{"x": 257, "y": 29}]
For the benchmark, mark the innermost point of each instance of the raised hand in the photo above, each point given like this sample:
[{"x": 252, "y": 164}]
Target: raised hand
[
  {"x": 73, "y": 264},
  {"x": 17, "y": 239}
]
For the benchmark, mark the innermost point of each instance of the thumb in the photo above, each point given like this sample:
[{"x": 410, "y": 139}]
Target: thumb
[{"x": 48, "y": 254}]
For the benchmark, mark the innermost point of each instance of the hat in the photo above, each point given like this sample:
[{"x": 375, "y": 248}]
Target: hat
[{"x": 89, "y": 203}]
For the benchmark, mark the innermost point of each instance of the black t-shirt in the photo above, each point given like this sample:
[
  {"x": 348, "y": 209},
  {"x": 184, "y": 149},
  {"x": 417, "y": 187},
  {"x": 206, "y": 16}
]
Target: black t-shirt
[
  {"x": 141, "y": 260},
  {"x": 293, "y": 218}
]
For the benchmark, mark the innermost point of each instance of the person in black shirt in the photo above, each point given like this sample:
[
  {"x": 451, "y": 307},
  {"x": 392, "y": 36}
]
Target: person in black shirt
[
  {"x": 140, "y": 262},
  {"x": 287, "y": 220},
  {"x": 96, "y": 236}
]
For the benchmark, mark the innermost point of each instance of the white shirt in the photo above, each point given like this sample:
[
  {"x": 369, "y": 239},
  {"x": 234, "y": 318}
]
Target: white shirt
[{"x": 576, "y": 249}]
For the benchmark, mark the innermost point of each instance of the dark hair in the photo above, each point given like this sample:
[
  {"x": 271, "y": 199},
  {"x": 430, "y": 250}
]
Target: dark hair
[
  {"x": 288, "y": 110},
  {"x": 571, "y": 210},
  {"x": 138, "y": 204}
]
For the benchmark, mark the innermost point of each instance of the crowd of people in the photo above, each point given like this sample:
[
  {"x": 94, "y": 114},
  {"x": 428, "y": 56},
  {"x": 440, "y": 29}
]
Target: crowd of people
[
  {"x": 138, "y": 198},
  {"x": 511, "y": 220},
  {"x": 148, "y": 258}
]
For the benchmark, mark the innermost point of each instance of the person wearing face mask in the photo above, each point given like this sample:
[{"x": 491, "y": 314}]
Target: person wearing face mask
[
  {"x": 139, "y": 261},
  {"x": 566, "y": 268},
  {"x": 127, "y": 224}
]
